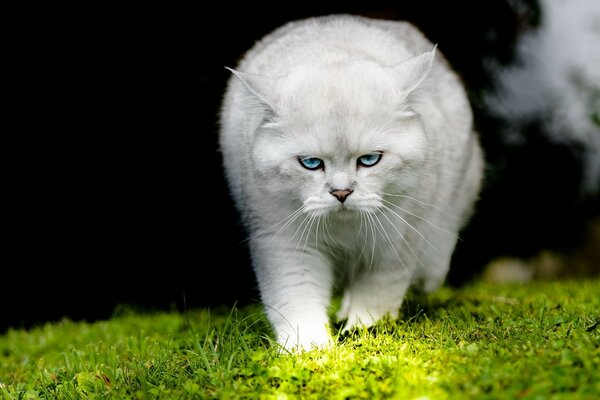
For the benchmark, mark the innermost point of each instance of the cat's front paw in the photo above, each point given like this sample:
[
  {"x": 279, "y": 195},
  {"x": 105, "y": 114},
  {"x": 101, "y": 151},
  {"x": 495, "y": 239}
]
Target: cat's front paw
[
  {"x": 306, "y": 337},
  {"x": 362, "y": 318},
  {"x": 362, "y": 315}
]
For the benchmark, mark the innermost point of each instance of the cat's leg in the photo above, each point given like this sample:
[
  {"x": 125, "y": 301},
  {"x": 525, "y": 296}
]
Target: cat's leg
[
  {"x": 295, "y": 286},
  {"x": 373, "y": 295}
]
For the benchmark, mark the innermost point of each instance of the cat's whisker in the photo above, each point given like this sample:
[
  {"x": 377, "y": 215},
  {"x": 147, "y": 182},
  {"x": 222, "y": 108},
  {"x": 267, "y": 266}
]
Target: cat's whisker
[
  {"x": 305, "y": 224},
  {"x": 326, "y": 232},
  {"x": 387, "y": 237},
  {"x": 325, "y": 237},
  {"x": 421, "y": 202},
  {"x": 306, "y": 231},
  {"x": 411, "y": 227},
  {"x": 286, "y": 222},
  {"x": 422, "y": 219},
  {"x": 329, "y": 236},
  {"x": 401, "y": 235},
  {"x": 317, "y": 233},
  {"x": 362, "y": 218},
  {"x": 290, "y": 239},
  {"x": 313, "y": 217},
  {"x": 300, "y": 225},
  {"x": 369, "y": 219}
]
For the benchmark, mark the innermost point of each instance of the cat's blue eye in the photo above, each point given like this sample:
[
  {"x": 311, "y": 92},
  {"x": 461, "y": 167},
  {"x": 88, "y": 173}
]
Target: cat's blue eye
[
  {"x": 368, "y": 160},
  {"x": 311, "y": 163}
]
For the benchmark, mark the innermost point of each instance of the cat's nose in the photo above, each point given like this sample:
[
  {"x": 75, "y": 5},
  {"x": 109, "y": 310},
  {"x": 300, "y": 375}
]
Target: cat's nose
[{"x": 341, "y": 195}]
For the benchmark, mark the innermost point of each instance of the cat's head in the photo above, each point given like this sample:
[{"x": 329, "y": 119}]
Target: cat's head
[{"x": 339, "y": 137}]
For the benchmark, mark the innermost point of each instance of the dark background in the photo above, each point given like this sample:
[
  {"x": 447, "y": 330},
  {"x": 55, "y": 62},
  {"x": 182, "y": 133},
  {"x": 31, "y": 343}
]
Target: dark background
[{"x": 120, "y": 196}]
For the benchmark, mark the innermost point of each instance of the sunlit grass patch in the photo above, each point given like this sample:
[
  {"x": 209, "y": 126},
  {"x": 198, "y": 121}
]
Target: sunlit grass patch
[{"x": 535, "y": 340}]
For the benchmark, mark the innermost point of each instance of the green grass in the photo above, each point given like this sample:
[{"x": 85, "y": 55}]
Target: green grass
[{"x": 538, "y": 340}]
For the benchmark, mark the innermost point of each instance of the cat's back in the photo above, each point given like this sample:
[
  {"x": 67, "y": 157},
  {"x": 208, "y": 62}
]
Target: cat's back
[{"x": 333, "y": 39}]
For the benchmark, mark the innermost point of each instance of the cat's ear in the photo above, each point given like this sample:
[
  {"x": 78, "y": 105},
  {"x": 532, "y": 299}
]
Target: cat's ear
[
  {"x": 262, "y": 88},
  {"x": 412, "y": 72}
]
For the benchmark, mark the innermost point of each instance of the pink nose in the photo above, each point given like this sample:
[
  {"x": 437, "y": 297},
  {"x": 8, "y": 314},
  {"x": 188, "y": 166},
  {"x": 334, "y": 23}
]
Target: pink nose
[{"x": 341, "y": 195}]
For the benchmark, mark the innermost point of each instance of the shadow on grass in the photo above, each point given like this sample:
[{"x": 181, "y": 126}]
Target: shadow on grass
[{"x": 417, "y": 308}]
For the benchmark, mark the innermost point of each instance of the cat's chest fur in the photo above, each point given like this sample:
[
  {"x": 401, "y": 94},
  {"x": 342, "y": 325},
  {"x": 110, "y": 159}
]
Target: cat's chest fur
[{"x": 349, "y": 149}]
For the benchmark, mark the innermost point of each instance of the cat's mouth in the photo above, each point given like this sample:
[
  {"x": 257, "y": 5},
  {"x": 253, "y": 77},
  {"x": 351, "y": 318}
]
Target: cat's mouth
[
  {"x": 352, "y": 209},
  {"x": 318, "y": 207},
  {"x": 345, "y": 212},
  {"x": 329, "y": 210},
  {"x": 340, "y": 211}
]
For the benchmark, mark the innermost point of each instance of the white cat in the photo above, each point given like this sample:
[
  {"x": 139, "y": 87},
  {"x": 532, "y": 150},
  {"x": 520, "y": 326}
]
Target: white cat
[{"x": 349, "y": 149}]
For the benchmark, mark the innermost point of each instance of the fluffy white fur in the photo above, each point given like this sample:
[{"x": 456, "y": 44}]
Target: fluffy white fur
[{"x": 337, "y": 88}]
